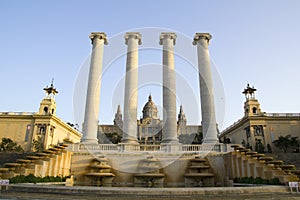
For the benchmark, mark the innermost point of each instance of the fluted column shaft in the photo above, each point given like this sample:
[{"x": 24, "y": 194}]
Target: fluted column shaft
[
  {"x": 169, "y": 88},
  {"x": 90, "y": 125},
  {"x": 132, "y": 40},
  {"x": 209, "y": 125}
]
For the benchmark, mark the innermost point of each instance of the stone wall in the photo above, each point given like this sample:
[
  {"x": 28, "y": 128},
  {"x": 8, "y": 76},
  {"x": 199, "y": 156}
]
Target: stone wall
[
  {"x": 9, "y": 157},
  {"x": 126, "y": 165}
]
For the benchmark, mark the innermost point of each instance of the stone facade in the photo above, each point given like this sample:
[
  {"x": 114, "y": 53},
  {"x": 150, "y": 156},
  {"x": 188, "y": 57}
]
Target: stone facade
[
  {"x": 149, "y": 127},
  {"x": 257, "y": 125},
  {"x": 43, "y": 126}
]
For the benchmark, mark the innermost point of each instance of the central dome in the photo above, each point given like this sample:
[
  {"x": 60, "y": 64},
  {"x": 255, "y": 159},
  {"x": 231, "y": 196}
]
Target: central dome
[{"x": 150, "y": 109}]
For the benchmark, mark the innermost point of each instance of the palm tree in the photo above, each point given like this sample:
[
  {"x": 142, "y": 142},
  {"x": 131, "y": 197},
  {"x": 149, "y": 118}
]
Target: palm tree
[{"x": 283, "y": 142}]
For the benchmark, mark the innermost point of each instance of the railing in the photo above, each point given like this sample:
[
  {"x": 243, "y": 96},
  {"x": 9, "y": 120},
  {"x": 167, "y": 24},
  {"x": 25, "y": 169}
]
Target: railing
[
  {"x": 17, "y": 113},
  {"x": 123, "y": 147},
  {"x": 146, "y": 147},
  {"x": 206, "y": 147},
  {"x": 94, "y": 147},
  {"x": 283, "y": 114},
  {"x": 191, "y": 147},
  {"x": 265, "y": 114}
]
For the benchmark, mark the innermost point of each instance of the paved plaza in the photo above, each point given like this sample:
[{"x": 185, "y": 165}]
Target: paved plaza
[{"x": 36, "y": 192}]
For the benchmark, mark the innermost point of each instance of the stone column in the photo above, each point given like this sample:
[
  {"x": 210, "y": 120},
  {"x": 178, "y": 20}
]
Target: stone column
[
  {"x": 169, "y": 88},
  {"x": 209, "y": 125},
  {"x": 90, "y": 125},
  {"x": 132, "y": 39}
]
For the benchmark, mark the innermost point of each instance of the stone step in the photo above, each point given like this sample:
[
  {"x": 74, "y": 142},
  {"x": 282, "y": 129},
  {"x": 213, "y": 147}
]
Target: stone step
[
  {"x": 198, "y": 160},
  {"x": 149, "y": 175},
  {"x": 199, "y": 175},
  {"x": 23, "y": 161},
  {"x": 199, "y": 167},
  {"x": 98, "y": 174},
  {"x": 100, "y": 166},
  {"x": 12, "y": 165}
]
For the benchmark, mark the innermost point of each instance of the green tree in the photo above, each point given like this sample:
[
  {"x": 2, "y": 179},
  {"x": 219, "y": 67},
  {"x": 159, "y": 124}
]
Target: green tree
[
  {"x": 295, "y": 143},
  {"x": 185, "y": 139},
  {"x": 8, "y": 145},
  {"x": 226, "y": 140},
  {"x": 244, "y": 143},
  {"x": 198, "y": 138},
  {"x": 283, "y": 142},
  {"x": 194, "y": 138},
  {"x": 269, "y": 148},
  {"x": 114, "y": 138},
  {"x": 37, "y": 145}
]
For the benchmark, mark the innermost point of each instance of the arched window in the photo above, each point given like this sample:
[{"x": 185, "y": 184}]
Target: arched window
[
  {"x": 254, "y": 110},
  {"x": 46, "y": 109},
  {"x": 52, "y": 112},
  {"x": 42, "y": 129}
]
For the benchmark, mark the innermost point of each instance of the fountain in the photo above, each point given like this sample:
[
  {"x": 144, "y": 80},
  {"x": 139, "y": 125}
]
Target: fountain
[
  {"x": 149, "y": 173},
  {"x": 198, "y": 173},
  {"x": 100, "y": 172}
]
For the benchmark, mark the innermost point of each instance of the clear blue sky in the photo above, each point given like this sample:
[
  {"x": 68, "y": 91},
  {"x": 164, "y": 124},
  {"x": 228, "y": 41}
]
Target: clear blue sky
[{"x": 255, "y": 41}]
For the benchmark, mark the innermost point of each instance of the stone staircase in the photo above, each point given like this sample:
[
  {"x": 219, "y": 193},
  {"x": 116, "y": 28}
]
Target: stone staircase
[
  {"x": 54, "y": 161},
  {"x": 246, "y": 163}
]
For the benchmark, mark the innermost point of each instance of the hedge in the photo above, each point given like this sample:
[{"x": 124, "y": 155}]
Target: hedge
[
  {"x": 34, "y": 179},
  {"x": 257, "y": 180}
]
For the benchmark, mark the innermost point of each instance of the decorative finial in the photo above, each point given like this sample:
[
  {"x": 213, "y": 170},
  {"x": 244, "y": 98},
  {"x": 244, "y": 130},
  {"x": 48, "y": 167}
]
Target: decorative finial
[
  {"x": 150, "y": 97},
  {"x": 249, "y": 92},
  {"x": 119, "y": 109},
  {"x": 51, "y": 90}
]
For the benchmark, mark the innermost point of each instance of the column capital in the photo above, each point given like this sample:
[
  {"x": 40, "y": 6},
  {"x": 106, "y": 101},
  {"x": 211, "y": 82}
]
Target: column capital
[
  {"x": 99, "y": 35},
  {"x": 199, "y": 36},
  {"x": 170, "y": 35},
  {"x": 135, "y": 35}
]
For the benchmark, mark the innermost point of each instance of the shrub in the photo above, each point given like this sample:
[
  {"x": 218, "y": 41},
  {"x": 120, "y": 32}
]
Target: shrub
[
  {"x": 8, "y": 145},
  {"x": 33, "y": 179},
  {"x": 257, "y": 180}
]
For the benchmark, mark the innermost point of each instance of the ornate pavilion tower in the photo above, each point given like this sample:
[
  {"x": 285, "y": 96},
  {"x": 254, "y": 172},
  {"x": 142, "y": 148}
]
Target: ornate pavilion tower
[{"x": 48, "y": 104}]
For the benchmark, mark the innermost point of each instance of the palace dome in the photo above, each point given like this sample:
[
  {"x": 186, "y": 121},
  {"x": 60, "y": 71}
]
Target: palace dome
[{"x": 150, "y": 109}]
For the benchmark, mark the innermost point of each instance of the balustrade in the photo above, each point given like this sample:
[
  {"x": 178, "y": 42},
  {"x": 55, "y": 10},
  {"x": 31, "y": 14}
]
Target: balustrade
[{"x": 144, "y": 148}]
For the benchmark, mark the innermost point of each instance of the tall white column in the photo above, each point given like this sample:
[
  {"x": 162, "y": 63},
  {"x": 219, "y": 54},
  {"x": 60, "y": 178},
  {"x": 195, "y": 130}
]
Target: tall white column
[
  {"x": 169, "y": 88},
  {"x": 90, "y": 125},
  {"x": 133, "y": 40},
  {"x": 209, "y": 125}
]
